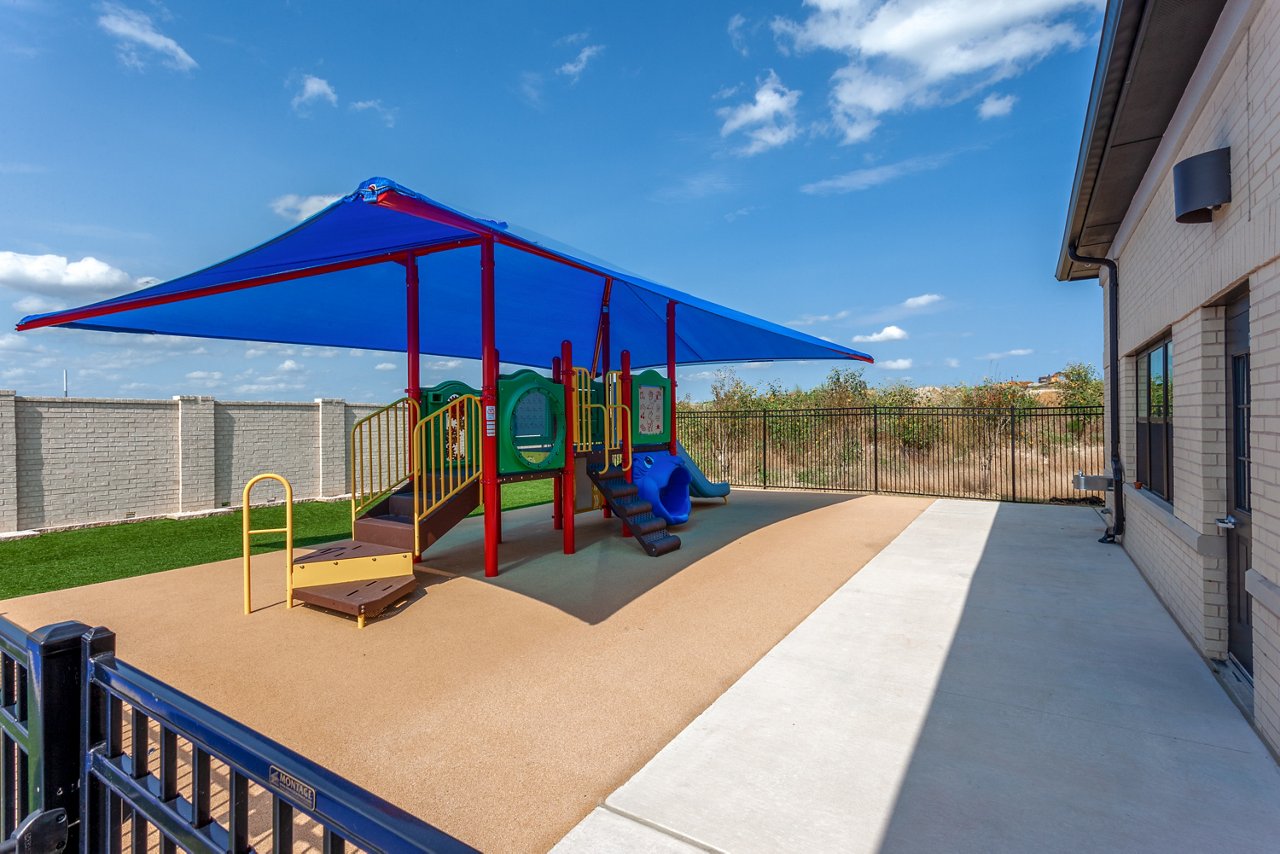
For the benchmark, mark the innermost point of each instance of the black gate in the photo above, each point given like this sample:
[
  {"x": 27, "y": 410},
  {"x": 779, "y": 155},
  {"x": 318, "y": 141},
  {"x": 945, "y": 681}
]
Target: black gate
[
  {"x": 1009, "y": 454},
  {"x": 134, "y": 761}
]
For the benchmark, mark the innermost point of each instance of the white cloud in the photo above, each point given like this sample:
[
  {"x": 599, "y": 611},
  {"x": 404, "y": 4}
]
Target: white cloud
[
  {"x": 889, "y": 333},
  {"x": 740, "y": 213},
  {"x": 814, "y": 319},
  {"x": 995, "y": 105},
  {"x": 951, "y": 363},
  {"x": 923, "y": 303},
  {"x": 387, "y": 114},
  {"x": 296, "y": 208},
  {"x": 289, "y": 366},
  {"x": 573, "y": 69},
  {"x": 38, "y": 305},
  {"x": 895, "y": 364},
  {"x": 312, "y": 90},
  {"x": 443, "y": 364},
  {"x": 384, "y": 366},
  {"x": 872, "y": 176},
  {"x": 995, "y": 357},
  {"x": 701, "y": 185},
  {"x": 912, "y": 54},
  {"x": 726, "y": 92},
  {"x": 737, "y": 37},
  {"x": 136, "y": 34},
  {"x": 57, "y": 276},
  {"x": 768, "y": 120},
  {"x": 204, "y": 379},
  {"x": 572, "y": 38},
  {"x": 531, "y": 88}
]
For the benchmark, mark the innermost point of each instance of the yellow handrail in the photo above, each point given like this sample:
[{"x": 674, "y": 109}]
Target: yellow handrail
[
  {"x": 381, "y": 460},
  {"x": 447, "y": 457},
  {"x": 615, "y": 417},
  {"x": 287, "y": 530}
]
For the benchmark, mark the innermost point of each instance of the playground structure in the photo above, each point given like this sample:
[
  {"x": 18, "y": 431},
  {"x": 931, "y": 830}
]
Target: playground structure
[{"x": 424, "y": 462}]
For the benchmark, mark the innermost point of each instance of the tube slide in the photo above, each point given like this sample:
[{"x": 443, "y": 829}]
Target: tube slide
[{"x": 699, "y": 486}]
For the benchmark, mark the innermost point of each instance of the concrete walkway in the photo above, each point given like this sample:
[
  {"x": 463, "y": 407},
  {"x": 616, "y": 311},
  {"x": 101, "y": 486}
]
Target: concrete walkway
[{"x": 994, "y": 680}]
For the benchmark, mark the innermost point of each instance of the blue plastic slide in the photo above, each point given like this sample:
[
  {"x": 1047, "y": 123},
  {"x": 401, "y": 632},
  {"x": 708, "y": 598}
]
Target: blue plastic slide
[
  {"x": 698, "y": 483},
  {"x": 663, "y": 481}
]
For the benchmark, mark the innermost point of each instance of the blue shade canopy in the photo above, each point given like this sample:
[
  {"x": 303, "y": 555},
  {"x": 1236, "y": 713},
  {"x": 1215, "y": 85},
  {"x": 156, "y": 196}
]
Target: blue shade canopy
[{"x": 338, "y": 279}]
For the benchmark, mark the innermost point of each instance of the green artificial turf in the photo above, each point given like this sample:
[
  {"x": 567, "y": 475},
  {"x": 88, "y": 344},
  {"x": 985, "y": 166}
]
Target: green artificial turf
[{"x": 62, "y": 559}]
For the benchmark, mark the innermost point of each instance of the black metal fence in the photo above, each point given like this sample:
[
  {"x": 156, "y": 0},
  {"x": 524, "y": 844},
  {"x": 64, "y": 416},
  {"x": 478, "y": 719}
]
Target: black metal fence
[
  {"x": 1009, "y": 454},
  {"x": 117, "y": 760}
]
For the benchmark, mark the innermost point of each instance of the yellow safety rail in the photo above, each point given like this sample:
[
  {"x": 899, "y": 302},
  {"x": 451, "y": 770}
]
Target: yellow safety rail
[
  {"x": 287, "y": 530},
  {"x": 381, "y": 460},
  {"x": 447, "y": 456},
  {"x": 615, "y": 428}
]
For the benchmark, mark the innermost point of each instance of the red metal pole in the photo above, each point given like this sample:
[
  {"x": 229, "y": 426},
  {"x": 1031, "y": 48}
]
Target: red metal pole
[
  {"x": 557, "y": 505},
  {"x": 604, "y": 369},
  {"x": 625, "y": 393},
  {"x": 412, "y": 351},
  {"x": 567, "y": 501},
  {"x": 489, "y": 400},
  {"x": 411, "y": 338},
  {"x": 671, "y": 368}
]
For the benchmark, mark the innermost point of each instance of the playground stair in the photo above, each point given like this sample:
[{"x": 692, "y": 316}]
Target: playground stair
[
  {"x": 390, "y": 522},
  {"x": 622, "y": 499}
]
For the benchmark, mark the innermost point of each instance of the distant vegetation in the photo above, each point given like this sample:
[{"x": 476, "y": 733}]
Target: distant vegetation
[{"x": 1077, "y": 384}]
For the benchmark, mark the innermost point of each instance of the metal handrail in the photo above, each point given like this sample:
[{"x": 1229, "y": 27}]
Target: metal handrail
[
  {"x": 447, "y": 457},
  {"x": 345, "y": 812},
  {"x": 287, "y": 530},
  {"x": 381, "y": 458}
]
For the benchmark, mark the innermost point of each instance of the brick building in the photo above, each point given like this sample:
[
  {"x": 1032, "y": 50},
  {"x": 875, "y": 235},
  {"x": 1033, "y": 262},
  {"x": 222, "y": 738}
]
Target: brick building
[{"x": 1176, "y": 195}]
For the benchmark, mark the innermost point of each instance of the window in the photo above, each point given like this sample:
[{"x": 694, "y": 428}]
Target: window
[{"x": 1155, "y": 416}]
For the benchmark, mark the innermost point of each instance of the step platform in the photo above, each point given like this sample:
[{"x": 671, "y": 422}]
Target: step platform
[
  {"x": 353, "y": 577},
  {"x": 360, "y": 599}
]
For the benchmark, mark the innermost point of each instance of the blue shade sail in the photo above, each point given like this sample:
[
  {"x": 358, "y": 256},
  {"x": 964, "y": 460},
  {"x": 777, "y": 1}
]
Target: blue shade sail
[{"x": 338, "y": 280}]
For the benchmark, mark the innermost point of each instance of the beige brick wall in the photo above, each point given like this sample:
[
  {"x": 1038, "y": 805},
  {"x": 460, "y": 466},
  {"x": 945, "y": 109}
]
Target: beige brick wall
[
  {"x": 89, "y": 460},
  {"x": 75, "y": 461},
  {"x": 1172, "y": 277},
  {"x": 252, "y": 438}
]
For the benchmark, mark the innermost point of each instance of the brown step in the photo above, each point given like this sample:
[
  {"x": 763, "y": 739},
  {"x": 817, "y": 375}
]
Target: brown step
[
  {"x": 360, "y": 599},
  {"x": 394, "y": 531}
]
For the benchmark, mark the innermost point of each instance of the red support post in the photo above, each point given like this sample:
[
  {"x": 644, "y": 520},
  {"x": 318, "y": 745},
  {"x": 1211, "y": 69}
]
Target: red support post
[
  {"x": 557, "y": 503},
  {"x": 412, "y": 344},
  {"x": 489, "y": 402},
  {"x": 604, "y": 370},
  {"x": 412, "y": 350},
  {"x": 567, "y": 499},
  {"x": 671, "y": 368},
  {"x": 625, "y": 392}
]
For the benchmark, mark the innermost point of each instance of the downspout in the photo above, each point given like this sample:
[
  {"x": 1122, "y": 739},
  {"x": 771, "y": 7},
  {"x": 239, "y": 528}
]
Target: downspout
[{"x": 1113, "y": 337}]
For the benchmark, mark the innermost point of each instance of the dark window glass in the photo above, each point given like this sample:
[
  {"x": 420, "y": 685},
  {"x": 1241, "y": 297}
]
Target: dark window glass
[
  {"x": 1240, "y": 429},
  {"x": 1154, "y": 393}
]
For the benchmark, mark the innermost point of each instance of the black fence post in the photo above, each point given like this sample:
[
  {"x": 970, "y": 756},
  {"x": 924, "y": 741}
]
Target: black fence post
[
  {"x": 875, "y": 446},
  {"x": 1013, "y": 453},
  {"x": 764, "y": 448},
  {"x": 54, "y": 682},
  {"x": 95, "y": 829}
]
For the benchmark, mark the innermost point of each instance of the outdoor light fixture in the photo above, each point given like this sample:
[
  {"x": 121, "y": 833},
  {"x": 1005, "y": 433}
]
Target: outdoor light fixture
[{"x": 1201, "y": 185}]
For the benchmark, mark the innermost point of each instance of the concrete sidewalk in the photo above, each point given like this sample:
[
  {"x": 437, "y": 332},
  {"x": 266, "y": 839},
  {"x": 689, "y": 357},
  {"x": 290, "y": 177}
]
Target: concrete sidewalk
[{"x": 994, "y": 680}]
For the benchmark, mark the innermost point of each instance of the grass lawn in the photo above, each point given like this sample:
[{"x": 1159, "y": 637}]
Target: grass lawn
[{"x": 62, "y": 559}]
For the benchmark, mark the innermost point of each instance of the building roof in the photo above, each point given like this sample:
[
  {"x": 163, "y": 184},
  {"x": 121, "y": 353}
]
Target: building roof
[{"x": 1148, "y": 52}]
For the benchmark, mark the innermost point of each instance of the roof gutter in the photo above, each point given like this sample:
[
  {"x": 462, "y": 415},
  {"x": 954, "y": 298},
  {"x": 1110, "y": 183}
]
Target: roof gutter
[{"x": 1113, "y": 341}]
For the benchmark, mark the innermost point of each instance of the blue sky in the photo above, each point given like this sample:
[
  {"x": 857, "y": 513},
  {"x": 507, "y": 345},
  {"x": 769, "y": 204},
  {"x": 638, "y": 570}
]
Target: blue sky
[{"x": 890, "y": 174}]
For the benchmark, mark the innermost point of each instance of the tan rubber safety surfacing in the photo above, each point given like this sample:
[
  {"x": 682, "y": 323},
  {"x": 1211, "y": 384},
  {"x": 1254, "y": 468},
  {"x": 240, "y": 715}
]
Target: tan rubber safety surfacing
[{"x": 501, "y": 710}]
